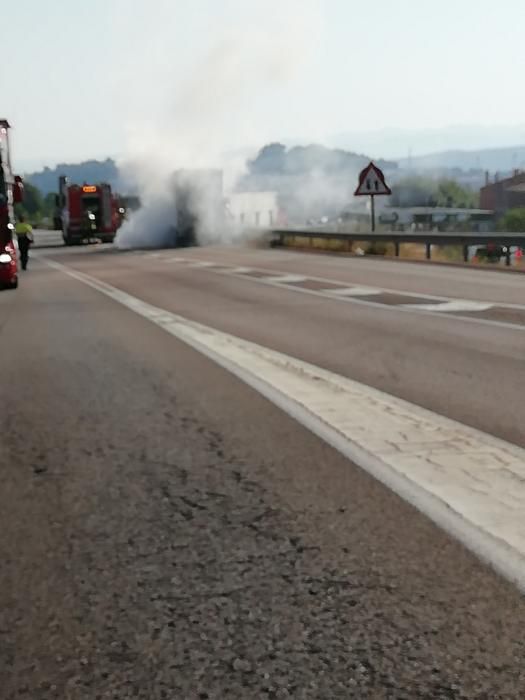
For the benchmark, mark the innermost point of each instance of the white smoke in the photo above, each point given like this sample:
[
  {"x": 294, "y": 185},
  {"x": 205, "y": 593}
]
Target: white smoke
[{"x": 219, "y": 106}]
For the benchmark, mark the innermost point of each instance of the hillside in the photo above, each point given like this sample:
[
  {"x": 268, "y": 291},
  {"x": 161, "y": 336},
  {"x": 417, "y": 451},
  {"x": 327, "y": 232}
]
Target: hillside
[
  {"x": 400, "y": 143},
  {"x": 89, "y": 171},
  {"x": 311, "y": 181},
  {"x": 275, "y": 167},
  {"x": 275, "y": 160},
  {"x": 492, "y": 159}
]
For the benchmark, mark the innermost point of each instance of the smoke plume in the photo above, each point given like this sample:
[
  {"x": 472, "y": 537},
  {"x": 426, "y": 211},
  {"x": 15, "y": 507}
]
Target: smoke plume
[{"x": 218, "y": 107}]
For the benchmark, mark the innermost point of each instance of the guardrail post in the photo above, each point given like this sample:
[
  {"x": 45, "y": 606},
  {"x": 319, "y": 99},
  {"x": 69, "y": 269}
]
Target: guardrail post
[
  {"x": 507, "y": 256},
  {"x": 465, "y": 253},
  {"x": 428, "y": 250},
  {"x": 397, "y": 247}
]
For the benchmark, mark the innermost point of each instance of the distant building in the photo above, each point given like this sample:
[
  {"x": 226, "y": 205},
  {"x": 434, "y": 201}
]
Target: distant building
[
  {"x": 505, "y": 194},
  {"x": 254, "y": 209},
  {"x": 423, "y": 218},
  {"x": 437, "y": 218}
]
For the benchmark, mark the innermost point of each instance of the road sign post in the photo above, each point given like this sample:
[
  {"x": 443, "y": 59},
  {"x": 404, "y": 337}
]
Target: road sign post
[{"x": 372, "y": 184}]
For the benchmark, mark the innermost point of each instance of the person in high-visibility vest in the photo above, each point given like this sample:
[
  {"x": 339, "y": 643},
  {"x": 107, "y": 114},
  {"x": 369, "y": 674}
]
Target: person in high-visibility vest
[{"x": 24, "y": 234}]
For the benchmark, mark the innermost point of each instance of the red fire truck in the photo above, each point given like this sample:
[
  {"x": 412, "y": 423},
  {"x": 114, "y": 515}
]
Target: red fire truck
[
  {"x": 11, "y": 192},
  {"x": 86, "y": 212}
]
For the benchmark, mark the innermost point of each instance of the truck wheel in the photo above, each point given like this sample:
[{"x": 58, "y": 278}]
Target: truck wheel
[{"x": 13, "y": 284}]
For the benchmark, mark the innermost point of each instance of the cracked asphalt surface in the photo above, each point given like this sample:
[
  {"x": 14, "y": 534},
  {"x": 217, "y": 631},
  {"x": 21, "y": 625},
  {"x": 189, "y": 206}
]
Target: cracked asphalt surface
[{"x": 165, "y": 532}]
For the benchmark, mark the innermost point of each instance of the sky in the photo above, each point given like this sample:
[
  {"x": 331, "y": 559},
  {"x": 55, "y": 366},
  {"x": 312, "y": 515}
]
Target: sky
[{"x": 119, "y": 78}]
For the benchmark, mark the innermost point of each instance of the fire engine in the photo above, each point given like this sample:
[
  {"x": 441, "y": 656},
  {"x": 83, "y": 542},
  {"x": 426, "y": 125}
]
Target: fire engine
[
  {"x": 11, "y": 193},
  {"x": 86, "y": 212}
]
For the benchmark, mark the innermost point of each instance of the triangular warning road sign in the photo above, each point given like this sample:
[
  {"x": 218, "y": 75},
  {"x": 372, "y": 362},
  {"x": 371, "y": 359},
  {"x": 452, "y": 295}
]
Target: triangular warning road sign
[{"x": 372, "y": 182}]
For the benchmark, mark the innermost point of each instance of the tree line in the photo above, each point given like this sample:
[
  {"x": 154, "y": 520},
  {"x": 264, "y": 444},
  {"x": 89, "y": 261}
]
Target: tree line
[
  {"x": 408, "y": 192},
  {"x": 36, "y": 208}
]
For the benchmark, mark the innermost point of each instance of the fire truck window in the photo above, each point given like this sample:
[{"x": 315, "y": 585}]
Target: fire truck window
[{"x": 91, "y": 203}]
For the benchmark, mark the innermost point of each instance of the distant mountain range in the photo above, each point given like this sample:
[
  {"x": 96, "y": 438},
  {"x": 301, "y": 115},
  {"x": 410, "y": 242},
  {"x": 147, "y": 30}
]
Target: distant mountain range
[
  {"x": 271, "y": 162},
  {"x": 491, "y": 159},
  {"x": 398, "y": 144},
  {"x": 89, "y": 171}
]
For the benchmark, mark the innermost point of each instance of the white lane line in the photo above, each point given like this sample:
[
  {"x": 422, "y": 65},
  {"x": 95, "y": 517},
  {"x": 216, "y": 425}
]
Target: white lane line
[
  {"x": 175, "y": 260},
  {"x": 199, "y": 263},
  {"x": 470, "y": 483},
  {"x": 237, "y": 271},
  {"x": 455, "y": 305},
  {"x": 286, "y": 279},
  {"x": 353, "y": 291}
]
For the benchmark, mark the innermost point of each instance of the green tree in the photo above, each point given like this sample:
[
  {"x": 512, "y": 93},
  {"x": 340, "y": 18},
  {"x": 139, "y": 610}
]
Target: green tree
[
  {"x": 425, "y": 192},
  {"x": 513, "y": 221},
  {"x": 414, "y": 192},
  {"x": 49, "y": 204},
  {"x": 451, "y": 194},
  {"x": 32, "y": 205}
]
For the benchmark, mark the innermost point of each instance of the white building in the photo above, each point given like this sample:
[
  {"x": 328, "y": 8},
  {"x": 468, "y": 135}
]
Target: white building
[{"x": 253, "y": 209}]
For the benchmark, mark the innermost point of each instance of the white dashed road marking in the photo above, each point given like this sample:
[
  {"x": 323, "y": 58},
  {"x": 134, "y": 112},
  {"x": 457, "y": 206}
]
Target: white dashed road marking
[
  {"x": 200, "y": 263},
  {"x": 354, "y": 291},
  {"x": 238, "y": 270},
  {"x": 285, "y": 279},
  {"x": 455, "y": 305}
]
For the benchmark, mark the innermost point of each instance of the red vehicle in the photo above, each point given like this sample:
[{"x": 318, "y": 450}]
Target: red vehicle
[
  {"x": 11, "y": 191},
  {"x": 86, "y": 212}
]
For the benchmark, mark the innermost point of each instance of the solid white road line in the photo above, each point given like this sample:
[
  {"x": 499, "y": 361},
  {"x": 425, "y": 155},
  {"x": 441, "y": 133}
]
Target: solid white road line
[{"x": 470, "y": 483}]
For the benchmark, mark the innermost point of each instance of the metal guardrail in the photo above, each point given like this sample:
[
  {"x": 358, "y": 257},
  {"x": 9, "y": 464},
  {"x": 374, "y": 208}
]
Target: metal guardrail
[{"x": 505, "y": 240}]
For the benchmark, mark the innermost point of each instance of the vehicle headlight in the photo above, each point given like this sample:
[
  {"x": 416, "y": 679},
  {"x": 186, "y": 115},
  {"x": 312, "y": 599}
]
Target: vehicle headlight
[{"x": 5, "y": 258}]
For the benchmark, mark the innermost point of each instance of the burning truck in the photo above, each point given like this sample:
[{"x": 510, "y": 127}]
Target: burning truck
[
  {"x": 203, "y": 214},
  {"x": 194, "y": 210},
  {"x": 199, "y": 207}
]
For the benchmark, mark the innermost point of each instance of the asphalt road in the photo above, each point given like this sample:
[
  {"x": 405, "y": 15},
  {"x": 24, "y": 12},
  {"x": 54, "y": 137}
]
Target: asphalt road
[{"x": 165, "y": 532}]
